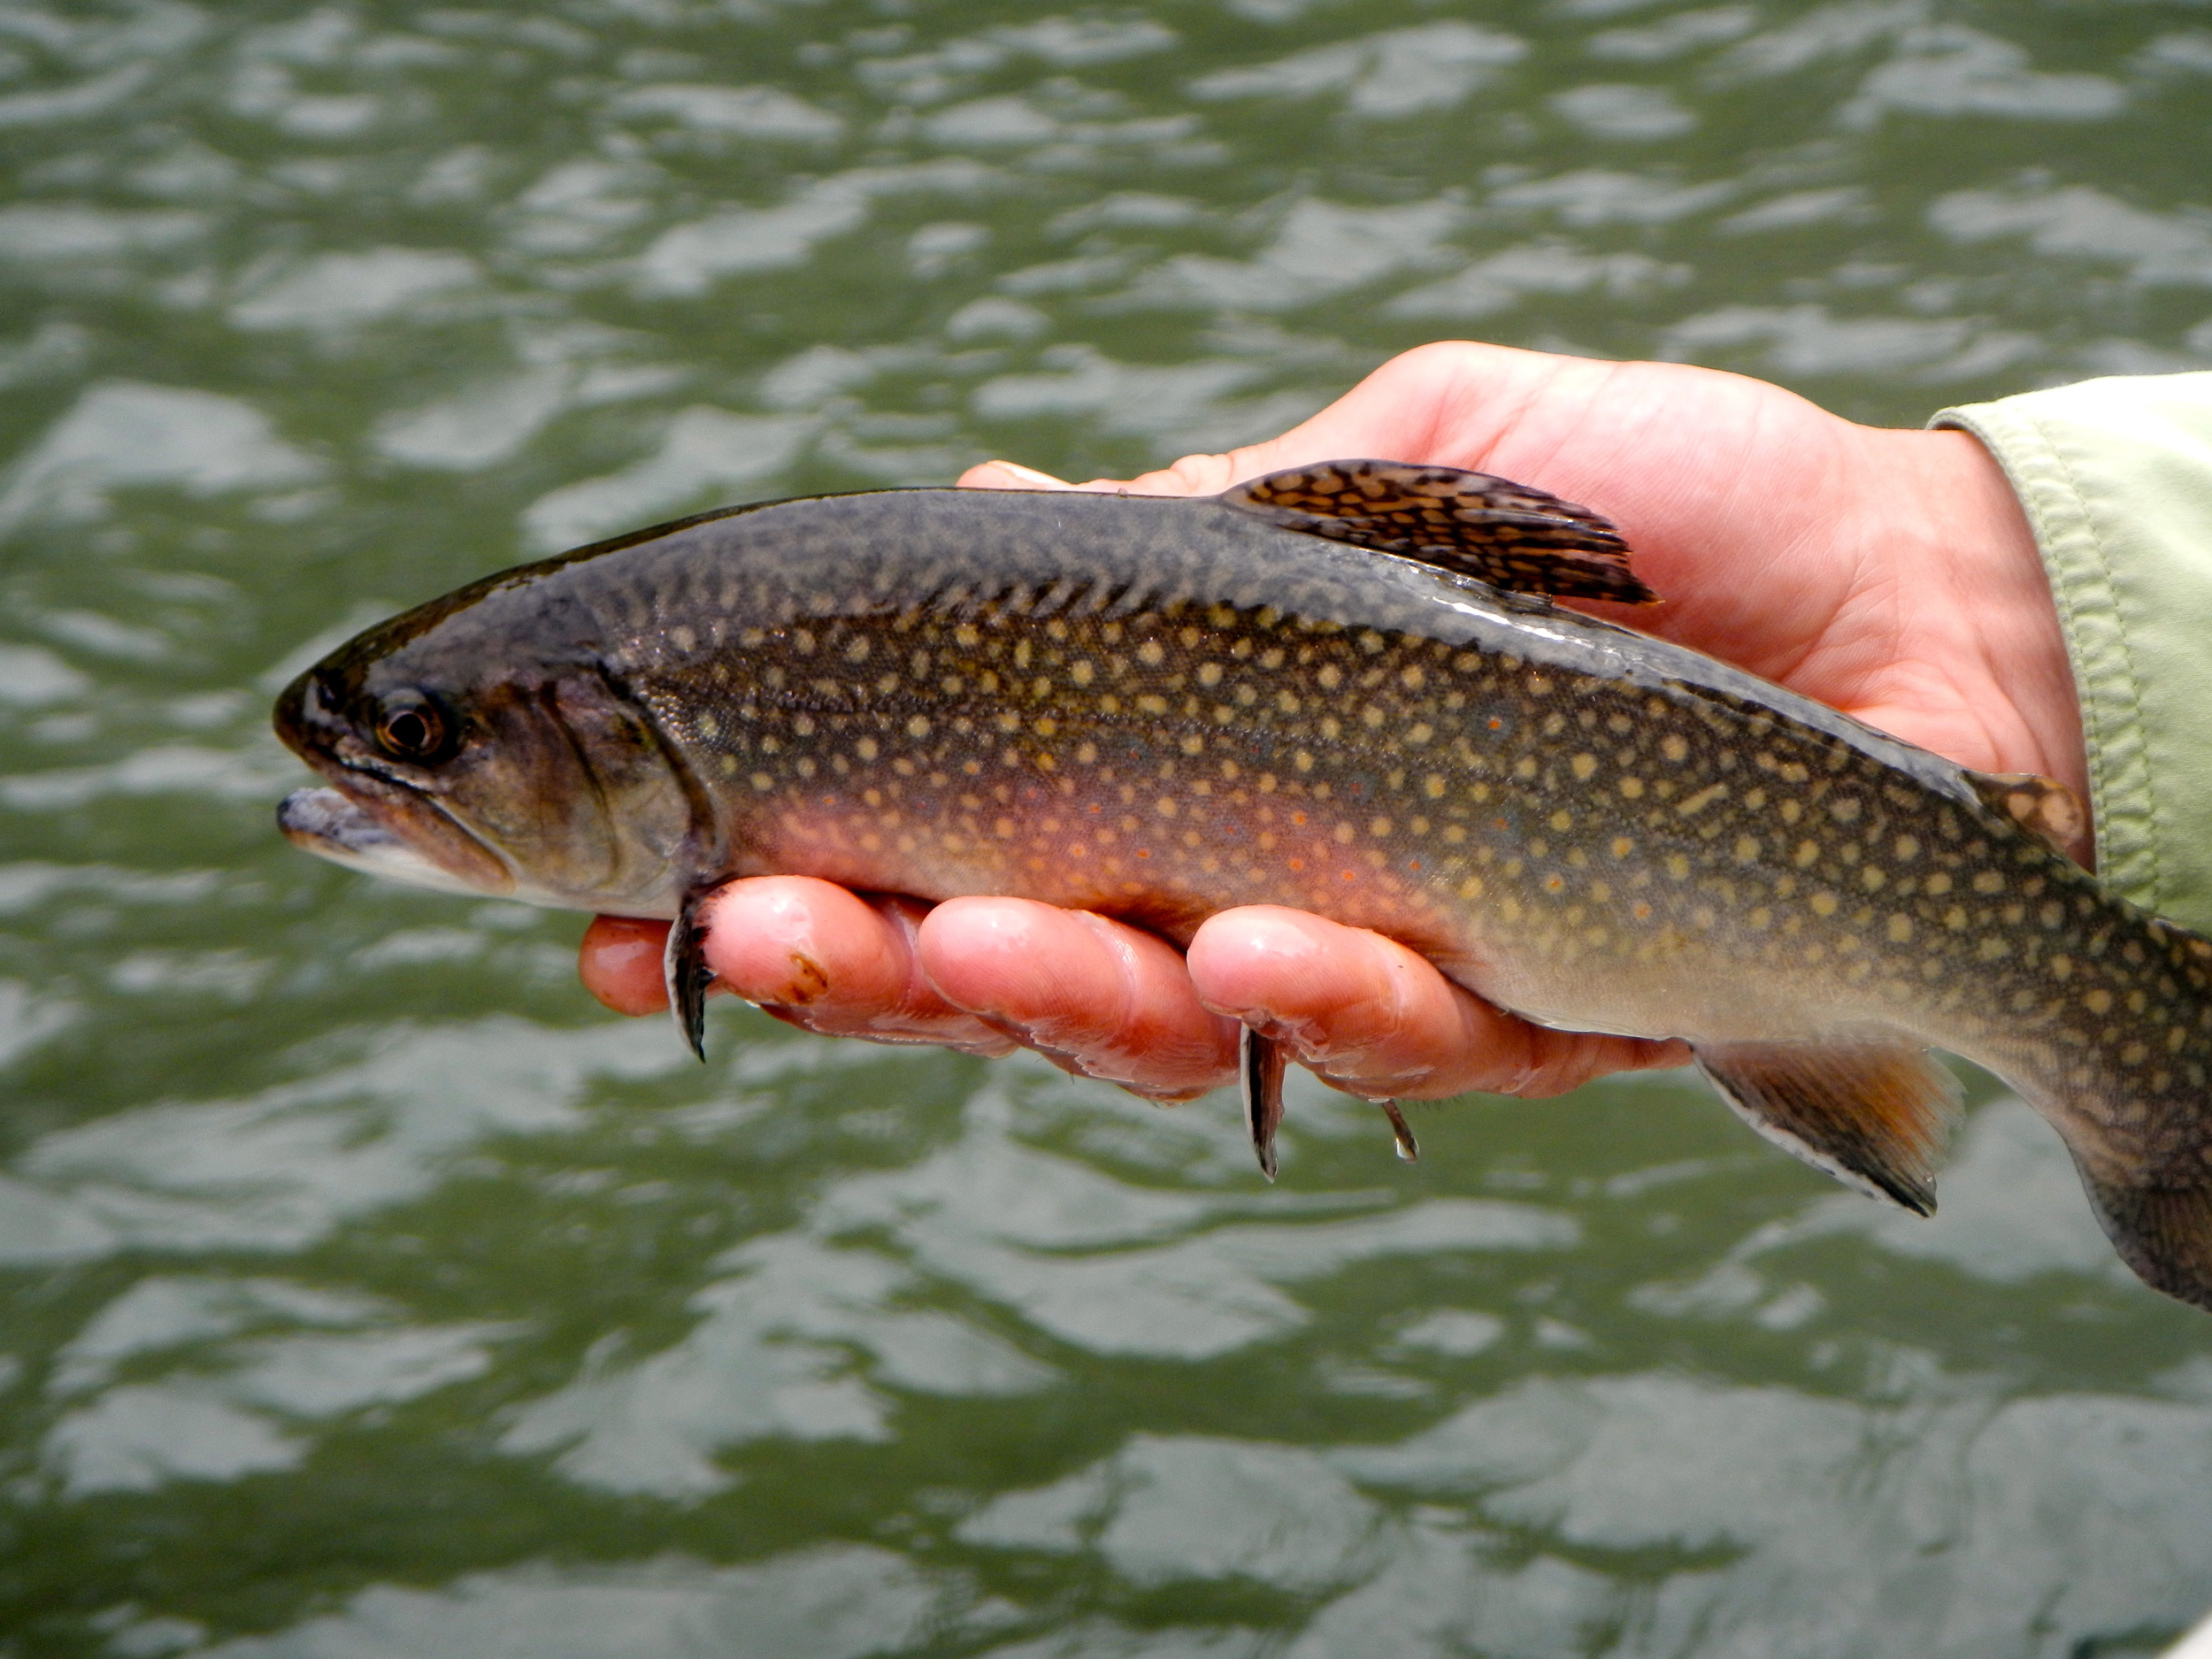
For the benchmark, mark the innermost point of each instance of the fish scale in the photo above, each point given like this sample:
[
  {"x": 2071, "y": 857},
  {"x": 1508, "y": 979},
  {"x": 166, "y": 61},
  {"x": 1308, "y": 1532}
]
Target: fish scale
[{"x": 1158, "y": 709}]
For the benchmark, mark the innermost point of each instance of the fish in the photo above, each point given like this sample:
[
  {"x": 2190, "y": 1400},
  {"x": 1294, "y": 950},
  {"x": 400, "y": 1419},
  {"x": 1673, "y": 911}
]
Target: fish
[{"x": 1347, "y": 688}]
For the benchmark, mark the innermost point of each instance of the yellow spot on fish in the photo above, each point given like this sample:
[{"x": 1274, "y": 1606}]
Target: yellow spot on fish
[
  {"x": 1747, "y": 849},
  {"x": 1823, "y": 903},
  {"x": 1524, "y": 768},
  {"x": 1631, "y": 787},
  {"x": 1210, "y": 674},
  {"x": 1675, "y": 747},
  {"x": 1808, "y": 854},
  {"x": 1907, "y": 848},
  {"x": 1702, "y": 799},
  {"x": 1331, "y": 677},
  {"x": 1150, "y": 654},
  {"x": 2097, "y": 1002},
  {"x": 1302, "y": 761},
  {"x": 1081, "y": 670},
  {"x": 918, "y": 727},
  {"x": 1623, "y": 847},
  {"x": 1900, "y": 929},
  {"x": 1192, "y": 744},
  {"x": 1583, "y": 766},
  {"x": 1345, "y": 832},
  {"x": 763, "y": 782},
  {"x": 1472, "y": 887},
  {"x": 1872, "y": 876},
  {"x": 1678, "y": 866},
  {"x": 1989, "y": 881},
  {"x": 1939, "y": 884}
]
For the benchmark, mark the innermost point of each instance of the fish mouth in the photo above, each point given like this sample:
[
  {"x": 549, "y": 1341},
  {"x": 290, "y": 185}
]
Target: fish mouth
[{"x": 397, "y": 837}]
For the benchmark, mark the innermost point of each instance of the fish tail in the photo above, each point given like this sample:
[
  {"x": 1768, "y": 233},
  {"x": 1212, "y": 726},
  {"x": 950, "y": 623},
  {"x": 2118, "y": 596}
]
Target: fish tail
[
  {"x": 2163, "y": 1232},
  {"x": 2130, "y": 1092}
]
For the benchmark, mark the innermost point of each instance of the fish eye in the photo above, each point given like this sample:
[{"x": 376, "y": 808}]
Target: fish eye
[{"x": 410, "y": 727}]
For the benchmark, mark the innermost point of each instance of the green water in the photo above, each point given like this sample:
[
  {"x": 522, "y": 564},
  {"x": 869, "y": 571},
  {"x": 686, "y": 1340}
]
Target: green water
[{"x": 370, "y": 1293}]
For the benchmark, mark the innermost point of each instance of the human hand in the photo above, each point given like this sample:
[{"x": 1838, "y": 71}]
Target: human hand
[{"x": 1887, "y": 573}]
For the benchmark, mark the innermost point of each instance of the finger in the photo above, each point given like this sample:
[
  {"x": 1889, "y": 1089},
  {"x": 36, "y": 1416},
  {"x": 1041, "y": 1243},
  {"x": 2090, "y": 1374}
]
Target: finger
[
  {"x": 831, "y": 961},
  {"x": 620, "y": 963},
  {"x": 1093, "y": 996},
  {"x": 1009, "y": 475},
  {"x": 1372, "y": 1017}
]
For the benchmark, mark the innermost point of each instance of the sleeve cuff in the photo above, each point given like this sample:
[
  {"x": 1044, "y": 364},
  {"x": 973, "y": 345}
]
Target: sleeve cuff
[{"x": 2115, "y": 477}]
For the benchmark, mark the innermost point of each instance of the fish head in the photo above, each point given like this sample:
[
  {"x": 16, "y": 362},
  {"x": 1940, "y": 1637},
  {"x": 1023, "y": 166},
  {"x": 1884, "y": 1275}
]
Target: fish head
[{"x": 462, "y": 758}]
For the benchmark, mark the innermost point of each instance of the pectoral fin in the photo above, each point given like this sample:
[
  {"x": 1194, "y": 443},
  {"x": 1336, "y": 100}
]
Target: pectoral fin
[
  {"x": 2043, "y": 805},
  {"x": 1874, "y": 1116},
  {"x": 1511, "y": 535},
  {"x": 1260, "y": 1070},
  {"x": 683, "y": 970}
]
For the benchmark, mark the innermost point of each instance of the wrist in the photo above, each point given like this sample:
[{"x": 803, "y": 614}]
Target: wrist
[{"x": 1965, "y": 546}]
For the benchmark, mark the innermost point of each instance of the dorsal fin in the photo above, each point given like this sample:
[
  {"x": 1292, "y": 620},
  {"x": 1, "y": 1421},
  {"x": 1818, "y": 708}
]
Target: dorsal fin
[
  {"x": 2043, "y": 805},
  {"x": 1511, "y": 535},
  {"x": 1873, "y": 1115}
]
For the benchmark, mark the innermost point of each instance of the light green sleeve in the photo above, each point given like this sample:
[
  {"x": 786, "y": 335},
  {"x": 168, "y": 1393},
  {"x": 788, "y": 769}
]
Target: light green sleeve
[{"x": 2116, "y": 478}]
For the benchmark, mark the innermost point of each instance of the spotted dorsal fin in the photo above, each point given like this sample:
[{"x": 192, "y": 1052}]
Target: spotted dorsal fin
[
  {"x": 1511, "y": 535},
  {"x": 2043, "y": 805},
  {"x": 1874, "y": 1115}
]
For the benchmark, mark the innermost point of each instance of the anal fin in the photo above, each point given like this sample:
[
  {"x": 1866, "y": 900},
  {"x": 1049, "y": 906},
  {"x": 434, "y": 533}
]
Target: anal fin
[
  {"x": 1513, "y": 536},
  {"x": 1876, "y": 1115},
  {"x": 683, "y": 970},
  {"x": 1260, "y": 1064}
]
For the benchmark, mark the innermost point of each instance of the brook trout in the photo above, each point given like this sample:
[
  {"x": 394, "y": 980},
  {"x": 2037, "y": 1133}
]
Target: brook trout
[{"x": 1342, "y": 689}]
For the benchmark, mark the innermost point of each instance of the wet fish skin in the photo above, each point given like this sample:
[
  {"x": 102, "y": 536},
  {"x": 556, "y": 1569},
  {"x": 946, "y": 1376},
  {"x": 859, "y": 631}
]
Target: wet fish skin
[{"x": 1158, "y": 709}]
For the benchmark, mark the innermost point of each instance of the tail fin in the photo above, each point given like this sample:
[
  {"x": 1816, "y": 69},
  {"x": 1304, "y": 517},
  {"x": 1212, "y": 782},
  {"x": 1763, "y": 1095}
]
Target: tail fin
[
  {"x": 2120, "y": 1062},
  {"x": 2163, "y": 1233}
]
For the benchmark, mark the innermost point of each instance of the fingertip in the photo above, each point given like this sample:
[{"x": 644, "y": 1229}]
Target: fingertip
[
  {"x": 620, "y": 963},
  {"x": 1109, "y": 1000},
  {"x": 1266, "y": 960},
  {"x": 784, "y": 940},
  {"x": 978, "y": 951}
]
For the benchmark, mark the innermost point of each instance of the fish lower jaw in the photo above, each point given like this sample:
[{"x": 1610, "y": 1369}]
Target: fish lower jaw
[{"x": 331, "y": 825}]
